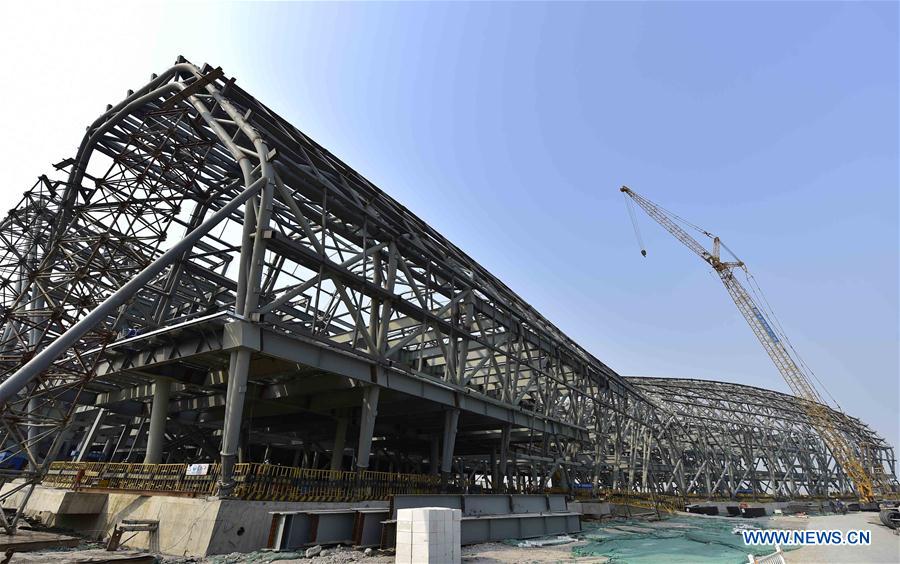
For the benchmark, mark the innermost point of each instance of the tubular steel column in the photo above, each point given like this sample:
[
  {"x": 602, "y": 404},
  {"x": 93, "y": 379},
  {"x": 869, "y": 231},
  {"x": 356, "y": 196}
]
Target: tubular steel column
[
  {"x": 367, "y": 426},
  {"x": 451, "y": 420},
  {"x": 252, "y": 260},
  {"x": 504, "y": 457},
  {"x": 435, "y": 457},
  {"x": 123, "y": 439},
  {"x": 239, "y": 363},
  {"x": 340, "y": 438},
  {"x": 107, "y": 449},
  {"x": 89, "y": 435},
  {"x": 159, "y": 412}
]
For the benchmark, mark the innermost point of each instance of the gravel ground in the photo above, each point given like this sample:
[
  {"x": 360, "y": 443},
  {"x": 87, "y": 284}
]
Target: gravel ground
[
  {"x": 499, "y": 553},
  {"x": 328, "y": 555},
  {"x": 488, "y": 553},
  {"x": 885, "y": 548}
]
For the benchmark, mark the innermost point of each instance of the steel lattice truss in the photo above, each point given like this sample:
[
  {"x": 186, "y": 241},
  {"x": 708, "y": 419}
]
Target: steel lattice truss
[
  {"x": 731, "y": 439},
  {"x": 199, "y": 237}
]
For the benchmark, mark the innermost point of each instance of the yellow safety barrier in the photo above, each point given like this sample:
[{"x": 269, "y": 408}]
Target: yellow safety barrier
[
  {"x": 264, "y": 482},
  {"x": 131, "y": 477},
  {"x": 663, "y": 502},
  {"x": 285, "y": 483}
]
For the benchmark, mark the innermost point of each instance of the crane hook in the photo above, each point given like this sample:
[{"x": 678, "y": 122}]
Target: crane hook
[{"x": 637, "y": 232}]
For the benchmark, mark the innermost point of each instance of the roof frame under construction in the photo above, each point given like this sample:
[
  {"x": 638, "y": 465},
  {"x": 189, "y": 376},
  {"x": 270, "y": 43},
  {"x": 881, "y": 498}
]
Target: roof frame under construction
[{"x": 202, "y": 282}]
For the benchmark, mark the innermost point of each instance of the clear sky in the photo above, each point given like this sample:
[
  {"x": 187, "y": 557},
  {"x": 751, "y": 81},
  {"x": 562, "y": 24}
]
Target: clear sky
[{"x": 510, "y": 128}]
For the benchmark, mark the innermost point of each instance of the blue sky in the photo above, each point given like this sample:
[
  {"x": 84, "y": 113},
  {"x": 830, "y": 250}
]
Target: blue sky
[{"x": 510, "y": 127}]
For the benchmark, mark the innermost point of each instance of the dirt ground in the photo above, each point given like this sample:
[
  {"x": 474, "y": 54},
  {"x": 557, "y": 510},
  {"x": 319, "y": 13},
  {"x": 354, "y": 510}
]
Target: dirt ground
[
  {"x": 488, "y": 553},
  {"x": 499, "y": 553},
  {"x": 885, "y": 547}
]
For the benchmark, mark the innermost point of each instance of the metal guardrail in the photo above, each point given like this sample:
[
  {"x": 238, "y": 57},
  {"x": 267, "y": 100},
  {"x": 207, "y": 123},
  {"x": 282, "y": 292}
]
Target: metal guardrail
[
  {"x": 263, "y": 482},
  {"x": 666, "y": 503}
]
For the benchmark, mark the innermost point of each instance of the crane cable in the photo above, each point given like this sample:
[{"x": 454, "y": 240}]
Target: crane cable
[
  {"x": 754, "y": 288},
  {"x": 629, "y": 204}
]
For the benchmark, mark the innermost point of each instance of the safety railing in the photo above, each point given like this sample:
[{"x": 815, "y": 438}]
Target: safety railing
[
  {"x": 179, "y": 478},
  {"x": 263, "y": 482},
  {"x": 662, "y": 502},
  {"x": 285, "y": 483}
]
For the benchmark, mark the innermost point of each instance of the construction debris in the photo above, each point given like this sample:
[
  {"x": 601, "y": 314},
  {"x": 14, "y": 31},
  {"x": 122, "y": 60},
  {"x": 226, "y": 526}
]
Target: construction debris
[{"x": 540, "y": 543}]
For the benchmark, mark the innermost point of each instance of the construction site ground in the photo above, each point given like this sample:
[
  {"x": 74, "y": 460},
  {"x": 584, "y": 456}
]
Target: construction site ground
[
  {"x": 885, "y": 547},
  {"x": 586, "y": 549}
]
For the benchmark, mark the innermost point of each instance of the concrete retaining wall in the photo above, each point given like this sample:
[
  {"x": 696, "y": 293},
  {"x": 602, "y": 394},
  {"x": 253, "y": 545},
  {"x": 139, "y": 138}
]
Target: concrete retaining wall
[{"x": 187, "y": 526}]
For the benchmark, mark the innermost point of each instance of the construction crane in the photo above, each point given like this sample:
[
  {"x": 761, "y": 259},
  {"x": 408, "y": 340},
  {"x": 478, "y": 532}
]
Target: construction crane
[{"x": 789, "y": 365}]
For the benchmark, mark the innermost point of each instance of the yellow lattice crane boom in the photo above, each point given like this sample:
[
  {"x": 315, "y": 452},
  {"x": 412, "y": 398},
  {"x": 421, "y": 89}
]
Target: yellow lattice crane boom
[{"x": 793, "y": 372}]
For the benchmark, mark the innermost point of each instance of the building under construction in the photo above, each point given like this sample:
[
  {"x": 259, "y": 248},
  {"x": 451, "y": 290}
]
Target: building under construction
[{"x": 205, "y": 302}]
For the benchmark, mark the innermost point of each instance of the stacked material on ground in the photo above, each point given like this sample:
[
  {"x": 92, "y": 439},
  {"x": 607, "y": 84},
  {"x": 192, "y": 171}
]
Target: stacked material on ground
[{"x": 428, "y": 535}]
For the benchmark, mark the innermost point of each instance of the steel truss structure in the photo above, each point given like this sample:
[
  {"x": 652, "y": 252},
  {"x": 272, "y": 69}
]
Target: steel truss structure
[
  {"x": 203, "y": 282},
  {"x": 735, "y": 439}
]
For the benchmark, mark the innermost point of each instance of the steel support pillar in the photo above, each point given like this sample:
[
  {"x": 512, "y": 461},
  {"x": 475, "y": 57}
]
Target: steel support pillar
[
  {"x": 138, "y": 437},
  {"x": 107, "y": 449},
  {"x": 340, "y": 438},
  {"x": 367, "y": 426},
  {"x": 120, "y": 443},
  {"x": 234, "y": 410},
  {"x": 504, "y": 458},
  {"x": 494, "y": 472},
  {"x": 435, "y": 456},
  {"x": 159, "y": 412},
  {"x": 89, "y": 435},
  {"x": 451, "y": 420}
]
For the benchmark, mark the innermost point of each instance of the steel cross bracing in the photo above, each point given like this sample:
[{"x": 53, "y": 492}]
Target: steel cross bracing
[
  {"x": 740, "y": 439},
  {"x": 321, "y": 255},
  {"x": 200, "y": 257}
]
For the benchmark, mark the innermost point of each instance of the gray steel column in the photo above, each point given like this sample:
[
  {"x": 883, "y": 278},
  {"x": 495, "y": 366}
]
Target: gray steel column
[
  {"x": 367, "y": 426},
  {"x": 238, "y": 371},
  {"x": 340, "y": 438},
  {"x": 451, "y": 420},
  {"x": 494, "y": 473},
  {"x": 504, "y": 457},
  {"x": 138, "y": 437},
  {"x": 159, "y": 412},
  {"x": 435, "y": 458},
  {"x": 252, "y": 257},
  {"x": 120, "y": 443},
  {"x": 89, "y": 435},
  {"x": 107, "y": 449}
]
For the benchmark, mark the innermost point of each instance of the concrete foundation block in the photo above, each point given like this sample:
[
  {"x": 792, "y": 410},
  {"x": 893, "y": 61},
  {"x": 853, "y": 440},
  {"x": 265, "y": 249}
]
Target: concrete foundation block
[{"x": 428, "y": 535}]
